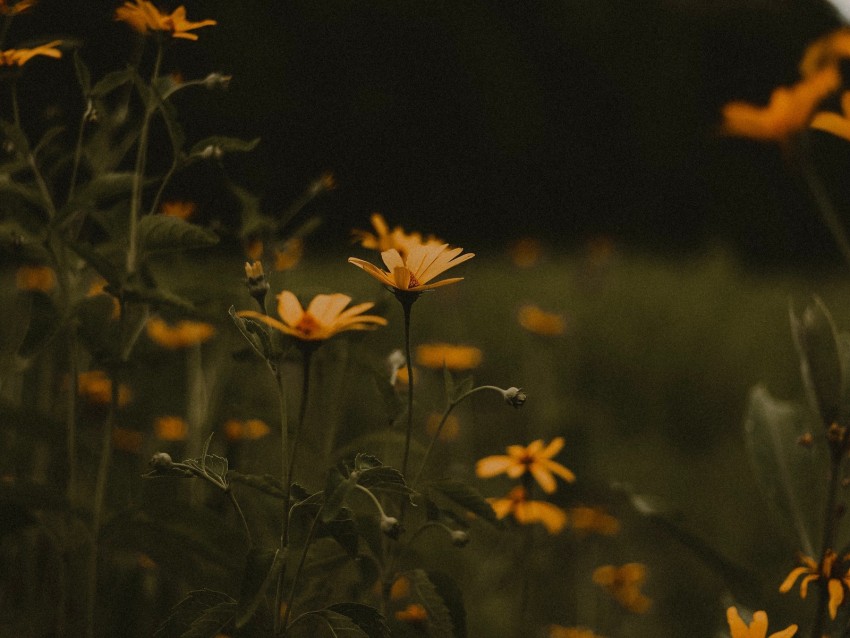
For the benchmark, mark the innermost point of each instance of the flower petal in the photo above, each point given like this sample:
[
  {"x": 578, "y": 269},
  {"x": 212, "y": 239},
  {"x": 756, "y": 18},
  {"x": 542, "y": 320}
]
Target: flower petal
[
  {"x": 289, "y": 308},
  {"x": 836, "y": 596},
  {"x": 544, "y": 478},
  {"x": 792, "y": 576},
  {"x": 326, "y": 308},
  {"x": 491, "y": 466},
  {"x": 758, "y": 628},
  {"x": 736, "y": 626}
]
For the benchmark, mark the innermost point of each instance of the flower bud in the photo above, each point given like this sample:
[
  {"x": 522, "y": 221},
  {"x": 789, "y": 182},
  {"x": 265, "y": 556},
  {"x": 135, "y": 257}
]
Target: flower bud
[
  {"x": 217, "y": 81},
  {"x": 161, "y": 461},
  {"x": 514, "y": 397},
  {"x": 257, "y": 284},
  {"x": 395, "y": 361},
  {"x": 459, "y": 538},
  {"x": 213, "y": 151},
  {"x": 391, "y": 527}
]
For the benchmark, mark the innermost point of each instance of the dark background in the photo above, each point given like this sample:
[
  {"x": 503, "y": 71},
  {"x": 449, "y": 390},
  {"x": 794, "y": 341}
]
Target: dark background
[{"x": 482, "y": 121}]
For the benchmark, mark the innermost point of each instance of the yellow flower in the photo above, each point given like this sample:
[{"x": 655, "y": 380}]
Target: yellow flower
[
  {"x": 254, "y": 249},
  {"x": 525, "y": 252},
  {"x": 829, "y": 569},
  {"x": 835, "y": 123},
  {"x": 19, "y": 57},
  {"x": 96, "y": 387},
  {"x": 757, "y": 628},
  {"x": 384, "y": 238},
  {"x": 535, "y": 459},
  {"x": 15, "y": 8},
  {"x": 35, "y": 278},
  {"x": 181, "y": 335},
  {"x": 413, "y": 613},
  {"x": 420, "y": 265},
  {"x": 179, "y": 209},
  {"x": 325, "y": 316},
  {"x": 527, "y": 512},
  {"x": 249, "y": 430},
  {"x": 623, "y": 583},
  {"x": 538, "y": 321},
  {"x": 556, "y": 631},
  {"x": 143, "y": 16},
  {"x": 451, "y": 428},
  {"x": 171, "y": 428},
  {"x": 437, "y": 355},
  {"x": 593, "y": 520},
  {"x": 289, "y": 256}
]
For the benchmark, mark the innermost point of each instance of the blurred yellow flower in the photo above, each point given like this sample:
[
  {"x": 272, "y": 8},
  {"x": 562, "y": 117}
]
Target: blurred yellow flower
[
  {"x": 289, "y": 255},
  {"x": 420, "y": 265},
  {"x": 181, "y": 335},
  {"x": 525, "y": 252},
  {"x": 35, "y": 278},
  {"x": 15, "y": 8},
  {"x": 540, "y": 322},
  {"x": 527, "y": 512},
  {"x": 453, "y": 357},
  {"x": 96, "y": 387},
  {"x": 143, "y": 17},
  {"x": 171, "y": 428},
  {"x": 451, "y": 428},
  {"x": 535, "y": 459},
  {"x": 623, "y": 583},
  {"x": 593, "y": 520},
  {"x": 180, "y": 209},
  {"x": 556, "y": 631},
  {"x": 254, "y": 249},
  {"x": 401, "y": 376},
  {"x": 250, "y": 430},
  {"x": 413, "y": 613},
  {"x": 19, "y": 57},
  {"x": 757, "y": 628},
  {"x": 127, "y": 440},
  {"x": 325, "y": 316},
  {"x": 384, "y": 239},
  {"x": 829, "y": 569},
  {"x": 400, "y": 588},
  {"x": 835, "y": 123}
]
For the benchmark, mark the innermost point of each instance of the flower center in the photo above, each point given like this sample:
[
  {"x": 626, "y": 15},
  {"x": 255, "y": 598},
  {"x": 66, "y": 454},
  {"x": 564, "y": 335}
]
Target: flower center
[
  {"x": 307, "y": 325},
  {"x": 413, "y": 281}
]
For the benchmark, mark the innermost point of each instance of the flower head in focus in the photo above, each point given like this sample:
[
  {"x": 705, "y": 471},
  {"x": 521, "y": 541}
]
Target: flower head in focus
[
  {"x": 19, "y": 57},
  {"x": 757, "y": 628},
  {"x": 528, "y": 512},
  {"x": 183, "y": 334},
  {"x": 453, "y": 357},
  {"x": 325, "y": 316},
  {"x": 412, "y": 272},
  {"x": 535, "y": 459},
  {"x": 835, "y": 572},
  {"x": 143, "y": 17},
  {"x": 623, "y": 583}
]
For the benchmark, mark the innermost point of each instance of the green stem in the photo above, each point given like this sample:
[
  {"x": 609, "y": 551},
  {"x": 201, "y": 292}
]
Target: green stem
[
  {"x": 71, "y": 412},
  {"x": 284, "y": 477},
  {"x": 301, "y": 561},
  {"x": 241, "y": 515},
  {"x": 78, "y": 154},
  {"x": 49, "y": 205},
  {"x": 407, "y": 304}
]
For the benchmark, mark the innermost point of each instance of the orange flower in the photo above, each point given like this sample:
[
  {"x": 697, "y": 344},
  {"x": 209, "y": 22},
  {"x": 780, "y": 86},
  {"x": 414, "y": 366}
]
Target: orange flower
[
  {"x": 757, "y": 628},
  {"x": 593, "y": 520},
  {"x": 829, "y": 569},
  {"x": 623, "y": 583},
  {"x": 127, "y": 440},
  {"x": 289, "y": 256},
  {"x": 171, "y": 428},
  {"x": 453, "y": 357},
  {"x": 249, "y": 430},
  {"x": 179, "y": 209},
  {"x": 254, "y": 249},
  {"x": 384, "y": 238},
  {"x": 535, "y": 459},
  {"x": 525, "y": 252},
  {"x": 547, "y": 324},
  {"x": 412, "y": 272},
  {"x": 35, "y": 278},
  {"x": 835, "y": 123},
  {"x": 15, "y": 8},
  {"x": 19, "y": 57},
  {"x": 143, "y": 17},
  {"x": 96, "y": 387},
  {"x": 527, "y": 512},
  {"x": 325, "y": 316},
  {"x": 556, "y": 631},
  {"x": 413, "y": 613},
  {"x": 181, "y": 335},
  {"x": 451, "y": 428}
]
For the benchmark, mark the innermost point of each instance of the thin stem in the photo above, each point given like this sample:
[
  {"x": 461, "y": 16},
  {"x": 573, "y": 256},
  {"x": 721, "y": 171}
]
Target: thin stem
[
  {"x": 307, "y": 350},
  {"x": 407, "y": 304},
  {"x": 299, "y": 569},
  {"x": 78, "y": 153},
  {"x": 241, "y": 516},
  {"x": 284, "y": 477},
  {"x": 49, "y": 206},
  {"x": 71, "y": 412},
  {"x": 829, "y": 528}
]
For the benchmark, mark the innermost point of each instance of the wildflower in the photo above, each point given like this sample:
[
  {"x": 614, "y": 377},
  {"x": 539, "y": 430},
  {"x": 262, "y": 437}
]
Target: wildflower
[
  {"x": 217, "y": 81},
  {"x": 180, "y": 209},
  {"x": 593, "y": 520},
  {"x": 525, "y": 252},
  {"x": 161, "y": 461},
  {"x": 35, "y": 278},
  {"x": 451, "y": 428},
  {"x": 829, "y": 569},
  {"x": 171, "y": 428},
  {"x": 515, "y": 397},
  {"x": 325, "y": 182},
  {"x": 439, "y": 355},
  {"x": 384, "y": 239},
  {"x": 96, "y": 387},
  {"x": 19, "y": 57},
  {"x": 290, "y": 254},
  {"x": 252, "y": 429},
  {"x": 254, "y": 249},
  {"x": 540, "y": 322},
  {"x": 623, "y": 583},
  {"x": 15, "y": 8},
  {"x": 528, "y": 512},
  {"x": 145, "y": 562},
  {"x": 420, "y": 265},
  {"x": 535, "y": 459},
  {"x": 400, "y": 588},
  {"x": 413, "y": 613},
  {"x": 556, "y": 631},
  {"x": 127, "y": 440},
  {"x": 325, "y": 316},
  {"x": 181, "y": 335},
  {"x": 757, "y": 628},
  {"x": 143, "y": 17},
  {"x": 835, "y": 123}
]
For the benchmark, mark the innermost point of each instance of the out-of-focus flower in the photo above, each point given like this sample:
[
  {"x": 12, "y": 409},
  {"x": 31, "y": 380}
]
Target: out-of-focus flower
[
  {"x": 413, "y": 613},
  {"x": 325, "y": 182},
  {"x": 145, "y": 562},
  {"x": 835, "y": 123},
  {"x": 535, "y": 459},
  {"x": 19, "y": 57},
  {"x": 96, "y": 387},
  {"x": 325, "y": 316},
  {"x": 453, "y": 357},
  {"x": 525, "y": 252},
  {"x": 35, "y": 278},
  {"x": 401, "y": 376},
  {"x": 127, "y": 440},
  {"x": 254, "y": 249},
  {"x": 395, "y": 361},
  {"x": 400, "y": 588},
  {"x": 624, "y": 583},
  {"x": 384, "y": 239},
  {"x": 451, "y": 428},
  {"x": 557, "y": 631},
  {"x": 144, "y": 17},
  {"x": 289, "y": 255},
  {"x": 832, "y": 570},
  {"x": 757, "y": 628},
  {"x": 249, "y": 430},
  {"x": 420, "y": 265},
  {"x": 183, "y": 334},
  {"x": 593, "y": 520},
  {"x": 171, "y": 428},
  {"x": 540, "y": 322},
  {"x": 528, "y": 512},
  {"x": 98, "y": 287},
  {"x": 180, "y": 209},
  {"x": 14, "y": 8}
]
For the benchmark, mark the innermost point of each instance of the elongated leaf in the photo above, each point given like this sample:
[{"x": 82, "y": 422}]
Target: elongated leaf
[
  {"x": 82, "y": 72},
  {"x": 254, "y": 334},
  {"x": 162, "y": 232},
  {"x": 369, "y": 619},
  {"x": 110, "y": 271},
  {"x": 792, "y": 477},
  {"x": 192, "y": 610},
  {"x": 338, "y": 625},
  {"x": 265, "y": 483},
  {"x": 111, "y": 81},
  {"x": 20, "y": 143},
  {"x": 439, "y": 623},
  {"x": 226, "y": 144},
  {"x": 156, "y": 297},
  {"x": 337, "y": 489},
  {"x": 467, "y": 497},
  {"x": 385, "y": 479},
  {"x": 262, "y": 569},
  {"x": 212, "y": 621}
]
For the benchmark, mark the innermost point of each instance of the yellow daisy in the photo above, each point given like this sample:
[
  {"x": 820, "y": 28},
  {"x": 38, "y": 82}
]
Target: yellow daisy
[
  {"x": 453, "y": 357},
  {"x": 828, "y": 569},
  {"x": 535, "y": 459},
  {"x": 757, "y": 628},
  {"x": 181, "y": 335},
  {"x": 623, "y": 583},
  {"x": 412, "y": 272},
  {"x": 19, "y": 57},
  {"x": 528, "y": 512},
  {"x": 143, "y": 17}
]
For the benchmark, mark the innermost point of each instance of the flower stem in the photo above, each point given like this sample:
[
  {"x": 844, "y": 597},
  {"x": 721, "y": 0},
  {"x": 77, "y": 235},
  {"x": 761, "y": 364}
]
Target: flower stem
[
  {"x": 407, "y": 305},
  {"x": 241, "y": 516},
  {"x": 284, "y": 477},
  {"x": 299, "y": 569}
]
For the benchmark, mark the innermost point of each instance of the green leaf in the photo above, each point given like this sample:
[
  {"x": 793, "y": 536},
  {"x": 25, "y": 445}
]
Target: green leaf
[
  {"x": 265, "y": 483},
  {"x": 452, "y": 596},
  {"x": 111, "y": 81},
  {"x": 261, "y": 570},
  {"x": 439, "y": 622},
  {"x": 82, "y": 72},
  {"x": 337, "y": 489},
  {"x": 200, "y": 610},
  {"x": 212, "y": 621},
  {"x": 111, "y": 272},
  {"x": 339, "y": 625},
  {"x": 791, "y": 476},
  {"x": 369, "y": 619},
  {"x": 25, "y": 192},
  {"x": 49, "y": 135},
  {"x": 156, "y": 297},
  {"x": 364, "y": 461},
  {"x": 467, "y": 497},
  {"x": 226, "y": 144},
  {"x": 162, "y": 232},
  {"x": 15, "y": 135},
  {"x": 384, "y": 478},
  {"x": 254, "y": 333}
]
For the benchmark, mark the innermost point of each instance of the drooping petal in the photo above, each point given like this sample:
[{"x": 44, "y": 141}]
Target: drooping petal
[
  {"x": 560, "y": 470},
  {"x": 491, "y": 466},
  {"x": 544, "y": 478},
  {"x": 555, "y": 446},
  {"x": 791, "y": 578},
  {"x": 289, "y": 308},
  {"x": 372, "y": 270},
  {"x": 804, "y": 584},
  {"x": 758, "y": 628},
  {"x": 736, "y": 625},
  {"x": 836, "y": 596},
  {"x": 785, "y": 633}
]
